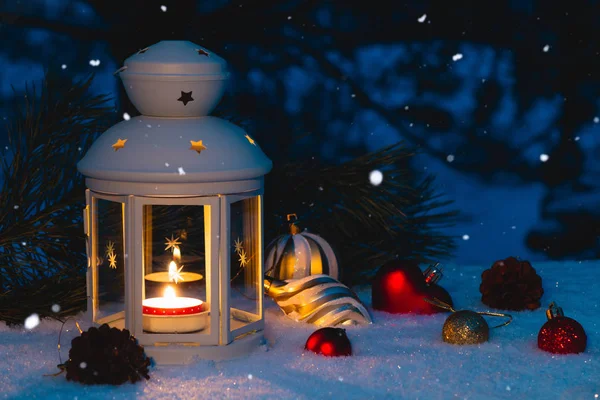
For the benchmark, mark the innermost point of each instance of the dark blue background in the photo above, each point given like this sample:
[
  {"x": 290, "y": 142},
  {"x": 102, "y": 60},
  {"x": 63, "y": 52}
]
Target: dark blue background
[{"x": 510, "y": 129}]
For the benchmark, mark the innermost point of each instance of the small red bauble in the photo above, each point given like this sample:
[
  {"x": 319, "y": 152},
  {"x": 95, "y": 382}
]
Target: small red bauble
[
  {"x": 331, "y": 342},
  {"x": 560, "y": 334},
  {"x": 399, "y": 288}
]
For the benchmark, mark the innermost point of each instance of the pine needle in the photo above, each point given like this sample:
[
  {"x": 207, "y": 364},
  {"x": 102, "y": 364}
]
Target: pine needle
[{"x": 42, "y": 247}]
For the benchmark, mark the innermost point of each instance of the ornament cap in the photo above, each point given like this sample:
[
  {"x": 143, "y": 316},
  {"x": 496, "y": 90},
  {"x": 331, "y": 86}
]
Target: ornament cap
[
  {"x": 433, "y": 274},
  {"x": 292, "y": 219},
  {"x": 554, "y": 311}
]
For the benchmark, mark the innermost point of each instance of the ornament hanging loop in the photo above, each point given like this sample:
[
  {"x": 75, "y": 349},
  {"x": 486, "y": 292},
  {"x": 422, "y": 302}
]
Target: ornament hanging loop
[
  {"x": 438, "y": 303},
  {"x": 554, "y": 311},
  {"x": 448, "y": 307},
  {"x": 292, "y": 219},
  {"x": 493, "y": 314}
]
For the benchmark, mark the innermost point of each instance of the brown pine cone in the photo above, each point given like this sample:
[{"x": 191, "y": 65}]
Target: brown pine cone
[
  {"x": 106, "y": 355},
  {"x": 511, "y": 284}
]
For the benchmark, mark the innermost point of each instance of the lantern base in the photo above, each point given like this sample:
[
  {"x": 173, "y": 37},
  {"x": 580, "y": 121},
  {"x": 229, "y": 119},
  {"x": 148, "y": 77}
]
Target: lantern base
[{"x": 180, "y": 354}]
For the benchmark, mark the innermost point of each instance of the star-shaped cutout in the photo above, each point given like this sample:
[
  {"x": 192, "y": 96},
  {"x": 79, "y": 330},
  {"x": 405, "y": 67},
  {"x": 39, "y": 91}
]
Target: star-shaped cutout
[
  {"x": 243, "y": 258},
  {"x": 110, "y": 248},
  {"x": 250, "y": 140},
  {"x": 185, "y": 98},
  {"x": 197, "y": 146},
  {"x": 239, "y": 246},
  {"x": 172, "y": 243},
  {"x": 202, "y": 52},
  {"x": 119, "y": 144},
  {"x": 112, "y": 259}
]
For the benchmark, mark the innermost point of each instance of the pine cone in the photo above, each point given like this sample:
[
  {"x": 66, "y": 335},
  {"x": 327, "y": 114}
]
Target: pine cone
[
  {"x": 511, "y": 284},
  {"x": 106, "y": 355}
]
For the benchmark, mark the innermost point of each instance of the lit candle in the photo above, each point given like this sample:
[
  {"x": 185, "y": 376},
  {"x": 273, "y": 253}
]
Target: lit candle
[{"x": 172, "y": 314}]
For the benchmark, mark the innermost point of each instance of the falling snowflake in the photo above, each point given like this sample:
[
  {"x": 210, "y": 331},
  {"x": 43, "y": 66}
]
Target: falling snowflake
[
  {"x": 126, "y": 117},
  {"x": 544, "y": 157},
  {"x": 239, "y": 245},
  {"x": 181, "y": 171},
  {"x": 289, "y": 17},
  {"x": 82, "y": 365},
  {"x": 166, "y": 164},
  {"x": 94, "y": 63},
  {"x": 32, "y": 321},
  {"x": 163, "y": 8},
  {"x": 250, "y": 376},
  {"x": 243, "y": 258},
  {"x": 112, "y": 260},
  {"x": 422, "y": 18},
  {"x": 457, "y": 56},
  {"x": 171, "y": 243},
  {"x": 64, "y": 66},
  {"x": 16, "y": 207},
  {"x": 546, "y": 48},
  {"x": 55, "y": 308},
  {"x": 466, "y": 237},
  {"x": 376, "y": 177},
  {"x": 450, "y": 157},
  {"x": 596, "y": 120}
]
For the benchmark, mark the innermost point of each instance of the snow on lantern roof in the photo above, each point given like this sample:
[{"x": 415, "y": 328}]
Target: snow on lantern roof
[{"x": 181, "y": 82}]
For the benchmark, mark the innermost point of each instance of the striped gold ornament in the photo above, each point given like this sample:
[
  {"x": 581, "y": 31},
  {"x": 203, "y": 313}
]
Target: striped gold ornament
[
  {"x": 299, "y": 254},
  {"x": 319, "y": 300}
]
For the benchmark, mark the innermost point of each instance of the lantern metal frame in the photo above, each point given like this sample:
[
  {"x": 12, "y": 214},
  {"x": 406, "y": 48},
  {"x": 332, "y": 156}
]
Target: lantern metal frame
[{"x": 175, "y": 348}]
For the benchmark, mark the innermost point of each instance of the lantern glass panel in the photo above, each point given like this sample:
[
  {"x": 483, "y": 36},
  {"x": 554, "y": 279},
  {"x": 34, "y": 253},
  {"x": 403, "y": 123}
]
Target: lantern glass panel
[
  {"x": 175, "y": 291},
  {"x": 245, "y": 259},
  {"x": 109, "y": 272}
]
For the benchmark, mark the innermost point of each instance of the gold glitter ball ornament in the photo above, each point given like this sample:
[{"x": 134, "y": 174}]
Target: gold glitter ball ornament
[{"x": 465, "y": 327}]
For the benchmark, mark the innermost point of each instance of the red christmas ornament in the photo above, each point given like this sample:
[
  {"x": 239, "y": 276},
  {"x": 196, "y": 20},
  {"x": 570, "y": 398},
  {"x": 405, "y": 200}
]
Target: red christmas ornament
[
  {"x": 560, "y": 334},
  {"x": 331, "y": 342},
  {"x": 399, "y": 288}
]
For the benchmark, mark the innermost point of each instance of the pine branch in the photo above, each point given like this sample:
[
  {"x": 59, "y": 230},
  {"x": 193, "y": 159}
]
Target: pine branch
[
  {"x": 42, "y": 248},
  {"x": 366, "y": 224}
]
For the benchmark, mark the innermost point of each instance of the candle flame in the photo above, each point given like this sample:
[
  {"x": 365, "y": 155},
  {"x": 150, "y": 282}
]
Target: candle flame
[
  {"x": 176, "y": 253},
  {"x": 169, "y": 293}
]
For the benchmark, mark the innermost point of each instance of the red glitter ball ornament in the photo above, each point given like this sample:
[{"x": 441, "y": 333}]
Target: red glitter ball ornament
[
  {"x": 399, "y": 288},
  {"x": 560, "y": 334},
  {"x": 331, "y": 342}
]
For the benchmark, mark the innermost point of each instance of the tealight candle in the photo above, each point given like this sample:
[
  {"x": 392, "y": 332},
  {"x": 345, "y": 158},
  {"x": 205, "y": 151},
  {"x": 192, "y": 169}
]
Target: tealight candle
[{"x": 172, "y": 314}]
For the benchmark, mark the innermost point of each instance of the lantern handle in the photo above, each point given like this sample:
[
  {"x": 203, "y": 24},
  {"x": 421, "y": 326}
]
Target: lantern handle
[{"x": 123, "y": 68}]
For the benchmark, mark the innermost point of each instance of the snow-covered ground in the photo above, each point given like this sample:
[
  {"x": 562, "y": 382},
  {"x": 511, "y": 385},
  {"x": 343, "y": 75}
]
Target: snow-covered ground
[{"x": 398, "y": 357}]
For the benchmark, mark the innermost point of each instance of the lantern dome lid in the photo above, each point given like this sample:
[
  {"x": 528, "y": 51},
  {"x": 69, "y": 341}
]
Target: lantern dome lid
[
  {"x": 174, "y": 78},
  {"x": 174, "y": 150}
]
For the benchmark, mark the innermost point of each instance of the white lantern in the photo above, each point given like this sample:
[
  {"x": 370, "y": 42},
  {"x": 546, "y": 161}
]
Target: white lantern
[{"x": 174, "y": 214}]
